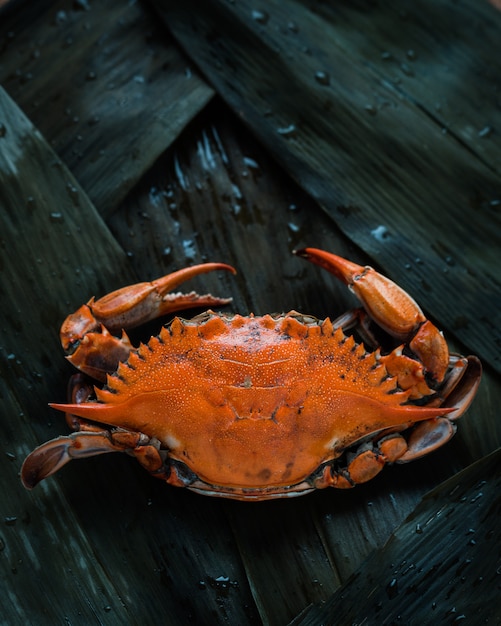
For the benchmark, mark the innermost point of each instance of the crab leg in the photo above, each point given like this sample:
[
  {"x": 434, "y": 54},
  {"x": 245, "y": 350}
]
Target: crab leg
[
  {"x": 85, "y": 335},
  {"x": 48, "y": 458},
  {"x": 390, "y": 307}
]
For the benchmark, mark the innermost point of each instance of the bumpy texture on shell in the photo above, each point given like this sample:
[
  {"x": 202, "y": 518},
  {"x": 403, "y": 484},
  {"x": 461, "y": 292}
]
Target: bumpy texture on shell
[{"x": 251, "y": 402}]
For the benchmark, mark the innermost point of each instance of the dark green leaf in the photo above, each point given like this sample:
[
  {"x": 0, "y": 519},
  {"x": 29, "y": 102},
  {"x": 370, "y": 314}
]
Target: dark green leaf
[
  {"x": 117, "y": 94},
  {"x": 441, "y": 566},
  {"x": 357, "y": 102},
  {"x": 48, "y": 227}
]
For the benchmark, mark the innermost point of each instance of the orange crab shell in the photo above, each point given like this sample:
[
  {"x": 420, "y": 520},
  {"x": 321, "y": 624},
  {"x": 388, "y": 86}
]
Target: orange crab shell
[{"x": 253, "y": 402}]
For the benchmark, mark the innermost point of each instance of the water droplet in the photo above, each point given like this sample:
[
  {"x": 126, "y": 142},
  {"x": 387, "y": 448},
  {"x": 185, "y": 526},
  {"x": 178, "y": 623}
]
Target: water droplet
[
  {"x": 485, "y": 132},
  {"x": 56, "y": 217},
  {"x": 183, "y": 182},
  {"x": 292, "y": 26},
  {"x": 406, "y": 69},
  {"x": 189, "y": 249},
  {"x": 294, "y": 228},
  {"x": 60, "y": 18},
  {"x": 236, "y": 191},
  {"x": 155, "y": 196},
  {"x": 73, "y": 193},
  {"x": 419, "y": 529},
  {"x": 323, "y": 78},
  {"x": 260, "y": 16},
  {"x": 380, "y": 233},
  {"x": 287, "y": 131},
  {"x": 386, "y": 56},
  {"x": 10, "y": 520},
  {"x": 371, "y": 109},
  {"x": 223, "y": 584},
  {"x": 251, "y": 163},
  {"x": 91, "y": 75},
  {"x": 411, "y": 54},
  {"x": 392, "y": 589},
  {"x": 408, "y": 569},
  {"x": 3, "y": 130}
]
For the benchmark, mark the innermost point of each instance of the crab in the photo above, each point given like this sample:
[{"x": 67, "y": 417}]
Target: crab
[{"x": 259, "y": 407}]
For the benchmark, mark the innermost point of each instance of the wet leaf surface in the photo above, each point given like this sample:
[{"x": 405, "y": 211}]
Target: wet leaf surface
[
  {"x": 348, "y": 122},
  {"x": 102, "y": 541},
  {"x": 117, "y": 93},
  {"x": 42, "y": 272},
  {"x": 440, "y": 566}
]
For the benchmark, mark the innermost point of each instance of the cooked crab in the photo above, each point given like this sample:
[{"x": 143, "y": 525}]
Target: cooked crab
[{"x": 252, "y": 407}]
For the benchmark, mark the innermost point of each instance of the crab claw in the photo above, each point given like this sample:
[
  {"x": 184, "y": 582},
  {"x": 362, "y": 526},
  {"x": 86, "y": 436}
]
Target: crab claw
[
  {"x": 86, "y": 335},
  {"x": 136, "y": 304},
  {"x": 390, "y": 307}
]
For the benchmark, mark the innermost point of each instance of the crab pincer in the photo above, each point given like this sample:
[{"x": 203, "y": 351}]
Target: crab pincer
[
  {"x": 390, "y": 307},
  {"x": 87, "y": 335}
]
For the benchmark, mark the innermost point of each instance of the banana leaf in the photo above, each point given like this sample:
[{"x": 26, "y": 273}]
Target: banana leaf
[
  {"x": 456, "y": 581},
  {"x": 358, "y": 102},
  {"x": 102, "y": 541},
  {"x": 42, "y": 207},
  {"x": 117, "y": 92}
]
